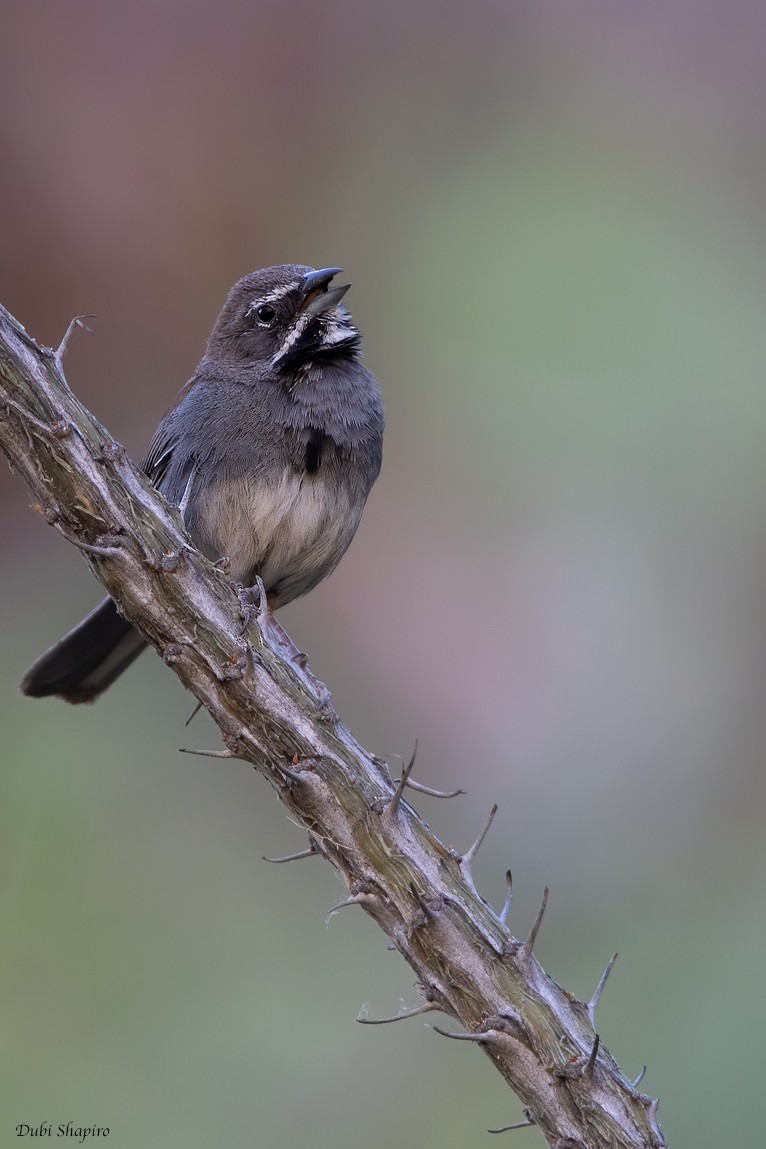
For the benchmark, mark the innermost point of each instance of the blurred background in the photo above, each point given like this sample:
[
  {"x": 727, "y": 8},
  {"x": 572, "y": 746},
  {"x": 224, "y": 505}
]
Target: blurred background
[{"x": 553, "y": 219}]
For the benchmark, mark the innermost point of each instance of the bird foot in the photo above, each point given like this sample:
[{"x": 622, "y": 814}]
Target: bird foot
[{"x": 253, "y": 605}]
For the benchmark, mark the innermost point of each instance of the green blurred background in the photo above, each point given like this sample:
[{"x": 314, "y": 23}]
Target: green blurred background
[{"x": 553, "y": 219}]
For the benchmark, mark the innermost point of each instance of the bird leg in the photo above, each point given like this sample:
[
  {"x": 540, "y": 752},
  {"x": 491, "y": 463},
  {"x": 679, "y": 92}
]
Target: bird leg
[
  {"x": 255, "y": 603},
  {"x": 283, "y": 638}
]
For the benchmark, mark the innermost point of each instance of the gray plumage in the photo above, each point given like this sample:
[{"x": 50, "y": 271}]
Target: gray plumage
[{"x": 270, "y": 452}]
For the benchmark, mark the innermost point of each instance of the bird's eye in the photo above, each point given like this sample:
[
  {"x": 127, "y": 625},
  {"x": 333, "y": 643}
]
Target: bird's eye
[{"x": 265, "y": 313}]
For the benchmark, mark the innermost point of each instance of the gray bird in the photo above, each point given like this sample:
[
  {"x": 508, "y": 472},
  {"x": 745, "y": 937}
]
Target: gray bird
[{"x": 270, "y": 452}]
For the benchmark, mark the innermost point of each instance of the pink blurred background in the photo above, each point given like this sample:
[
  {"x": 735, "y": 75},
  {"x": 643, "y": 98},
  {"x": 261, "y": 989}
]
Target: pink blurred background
[{"x": 553, "y": 219}]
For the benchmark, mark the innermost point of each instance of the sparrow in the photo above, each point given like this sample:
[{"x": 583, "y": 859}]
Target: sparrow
[{"x": 269, "y": 452}]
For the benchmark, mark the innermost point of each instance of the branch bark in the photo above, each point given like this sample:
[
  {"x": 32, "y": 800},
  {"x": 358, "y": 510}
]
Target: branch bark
[{"x": 274, "y": 714}]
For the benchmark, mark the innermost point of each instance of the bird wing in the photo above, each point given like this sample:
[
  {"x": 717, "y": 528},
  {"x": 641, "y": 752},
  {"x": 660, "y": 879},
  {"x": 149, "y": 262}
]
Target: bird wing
[
  {"x": 175, "y": 482},
  {"x": 157, "y": 459}
]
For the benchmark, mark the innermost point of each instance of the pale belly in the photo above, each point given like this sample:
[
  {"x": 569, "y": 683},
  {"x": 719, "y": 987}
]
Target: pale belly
[{"x": 292, "y": 534}]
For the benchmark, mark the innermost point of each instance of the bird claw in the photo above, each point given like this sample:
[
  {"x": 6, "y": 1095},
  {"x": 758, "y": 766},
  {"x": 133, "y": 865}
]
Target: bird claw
[{"x": 253, "y": 605}]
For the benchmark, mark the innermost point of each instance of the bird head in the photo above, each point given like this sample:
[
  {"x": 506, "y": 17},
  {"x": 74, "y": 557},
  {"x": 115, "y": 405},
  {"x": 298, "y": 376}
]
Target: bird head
[{"x": 287, "y": 316}]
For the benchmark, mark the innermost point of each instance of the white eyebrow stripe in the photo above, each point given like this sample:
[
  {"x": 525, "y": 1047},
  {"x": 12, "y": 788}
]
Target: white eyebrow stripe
[{"x": 273, "y": 296}]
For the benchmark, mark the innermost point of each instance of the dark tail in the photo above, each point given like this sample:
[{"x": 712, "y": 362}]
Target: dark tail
[{"x": 84, "y": 662}]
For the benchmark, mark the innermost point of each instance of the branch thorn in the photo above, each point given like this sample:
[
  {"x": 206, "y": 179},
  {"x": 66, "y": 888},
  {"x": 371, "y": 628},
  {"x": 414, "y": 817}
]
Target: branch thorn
[
  {"x": 480, "y": 1038},
  {"x": 639, "y": 1079},
  {"x": 296, "y": 775},
  {"x": 225, "y": 753},
  {"x": 60, "y": 352},
  {"x": 529, "y": 944},
  {"x": 467, "y": 858},
  {"x": 309, "y": 853},
  {"x": 596, "y": 998},
  {"x": 193, "y": 714},
  {"x": 426, "y": 1008},
  {"x": 431, "y": 791},
  {"x": 391, "y": 807},
  {"x": 506, "y": 910},
  {"x": 103, "y": 551},
  {"x": 354, "y": 900},
  {"x": 590, "y": 1063},
  {"x": 425, "y": 911},
  {"x": 516, "y": 1125}
]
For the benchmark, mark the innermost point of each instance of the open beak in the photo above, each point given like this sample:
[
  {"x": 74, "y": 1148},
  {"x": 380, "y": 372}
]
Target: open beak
[{"x": 316, "y": 297}]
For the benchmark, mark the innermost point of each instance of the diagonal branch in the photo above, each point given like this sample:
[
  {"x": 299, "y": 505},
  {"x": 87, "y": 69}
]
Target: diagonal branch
[{"x": 267, "y": 711}]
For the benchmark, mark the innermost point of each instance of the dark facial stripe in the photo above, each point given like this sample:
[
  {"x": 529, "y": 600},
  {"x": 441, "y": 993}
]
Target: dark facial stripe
[{"x": 311, "y": 345}]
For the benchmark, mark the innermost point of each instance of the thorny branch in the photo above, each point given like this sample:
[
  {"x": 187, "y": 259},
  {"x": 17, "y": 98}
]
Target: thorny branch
[{"x": 272, "y": 713}]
